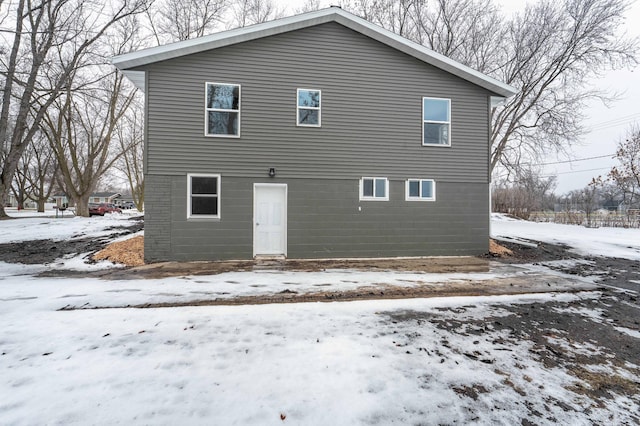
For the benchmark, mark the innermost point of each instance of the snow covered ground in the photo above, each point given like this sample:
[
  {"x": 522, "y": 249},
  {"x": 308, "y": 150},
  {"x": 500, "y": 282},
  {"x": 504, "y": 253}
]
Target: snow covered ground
[
  {"x": 418, "y": 361},
  {"x": 39, "y": 226},
  {"x": 50, "y": 212},
  {"x": 610, "y": 242}
]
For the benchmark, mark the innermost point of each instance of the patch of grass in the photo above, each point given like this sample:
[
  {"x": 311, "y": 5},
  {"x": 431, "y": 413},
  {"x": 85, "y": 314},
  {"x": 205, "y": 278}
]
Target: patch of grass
[
  {"x": 603, "y": 385},
  {"x": 472, "y": 391}
]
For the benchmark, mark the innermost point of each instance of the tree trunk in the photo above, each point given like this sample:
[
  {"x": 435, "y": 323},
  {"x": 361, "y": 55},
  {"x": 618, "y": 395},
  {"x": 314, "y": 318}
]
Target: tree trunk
[
  {"x": 20, "y": 199},
  {"x": 82, "y": 204},
  {"x": 5, "y": 187},
  {"x": 41, "y": 202},
  {"x": 140, "y": 203},
  {"x": 52, "y": 29}
]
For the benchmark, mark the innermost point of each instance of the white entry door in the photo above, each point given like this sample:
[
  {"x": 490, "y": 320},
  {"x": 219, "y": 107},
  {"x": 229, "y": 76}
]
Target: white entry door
[{"x": 269, "y": 219}]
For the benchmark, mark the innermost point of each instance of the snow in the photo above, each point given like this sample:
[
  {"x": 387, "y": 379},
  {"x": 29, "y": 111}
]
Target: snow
[
  {"x": 594, "y": 315},
  {"x": 39, "y": 228},
  {"x": 628, "y": 331},
  {"x": 48, "y": 213},
  {"x": 315, "y": 363},
  {"x": 610, "y": 242},
  {"x": 383, "y": 362},
  {"x": 51, "y": 212}
]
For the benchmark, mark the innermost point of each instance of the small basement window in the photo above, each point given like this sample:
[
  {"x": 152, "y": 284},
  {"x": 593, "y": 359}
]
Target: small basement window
[
  {"x": 308, "y": 108},
  {"x": 374, "y": 188},
  {"x": 222, "y": 110},
  {"x": 436, "y": 121},
  {"x": 421, "y": 190},
  {"x": 204, "y": 196}
]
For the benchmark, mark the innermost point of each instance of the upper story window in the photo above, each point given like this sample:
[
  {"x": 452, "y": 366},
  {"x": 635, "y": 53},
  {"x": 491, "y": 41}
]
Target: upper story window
[
  {"x": 420, "y": 190},
  {"x": 374, "y": 188},
  {"x": 222, "y": 110},
  {"x": 436, "y": 121},
  {"x": 308, "y": 109},
  {"x": 204, "y": 196}
]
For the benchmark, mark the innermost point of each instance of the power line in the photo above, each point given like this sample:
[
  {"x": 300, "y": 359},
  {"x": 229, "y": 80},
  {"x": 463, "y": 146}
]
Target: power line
[
  {"x": 577, "y": 171},
  {"x": 625, "y": 117},
  {"x": 575, "y": 160},
  {"x": 614, "y": 122}
]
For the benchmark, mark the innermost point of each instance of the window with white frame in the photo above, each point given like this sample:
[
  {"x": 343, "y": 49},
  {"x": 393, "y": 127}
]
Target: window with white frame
[
  {"x": 421, "y": 190},
  {"x": 204, "y": 196},
  {"x": 374, "y": 188},
  {"x": 222, "y": 110},
  {"x": 436, "y": 121},
  {"x": 308, "y": 109}
]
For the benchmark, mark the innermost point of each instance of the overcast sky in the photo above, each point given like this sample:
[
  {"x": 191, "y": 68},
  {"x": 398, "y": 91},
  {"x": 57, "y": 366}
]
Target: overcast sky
[{"x": 606, "y": 125}]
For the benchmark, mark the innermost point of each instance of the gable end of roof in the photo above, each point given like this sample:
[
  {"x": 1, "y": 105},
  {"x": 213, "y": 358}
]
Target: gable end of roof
[{"x": 129, "y": 61}]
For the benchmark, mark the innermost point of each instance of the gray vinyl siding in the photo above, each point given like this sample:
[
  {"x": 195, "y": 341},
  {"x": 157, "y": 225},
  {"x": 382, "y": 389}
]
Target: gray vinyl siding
[
  {"x": 325, "y": 220},
  {"x": 371, "y": 126},
  {"x": 371, "y": 112},
  {"x": 157, "y": 218}
]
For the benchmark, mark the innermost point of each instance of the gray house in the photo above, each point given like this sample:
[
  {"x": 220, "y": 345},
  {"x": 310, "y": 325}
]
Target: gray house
[{"x": 315, "y": 136}]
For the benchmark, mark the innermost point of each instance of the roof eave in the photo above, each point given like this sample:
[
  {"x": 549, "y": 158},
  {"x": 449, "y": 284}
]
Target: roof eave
[
  {"x": 214, "y": 41},
  {"x": 218, "y": 40},
  {"x": 427, "y": 55}
]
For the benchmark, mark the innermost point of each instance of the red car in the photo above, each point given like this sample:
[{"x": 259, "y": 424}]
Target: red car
[{"x": 99, "y": 209}]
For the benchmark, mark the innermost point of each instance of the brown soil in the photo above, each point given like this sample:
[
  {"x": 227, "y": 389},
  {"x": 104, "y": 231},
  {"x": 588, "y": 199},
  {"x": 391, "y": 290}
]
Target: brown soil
[
  {"x": 465, "y": 264},
  {"x": 498, "y": 250},
  {"x": 131, "y": 253},
  {"x": 497, "y": 286},
  {"x": 128, "y": 252}
]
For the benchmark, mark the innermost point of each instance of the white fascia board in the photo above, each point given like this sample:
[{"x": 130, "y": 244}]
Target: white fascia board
[
  {"x": 292, "y": 23},
  {"x": 221, "y": 39},
  {"x": 136, "y": 77},
  {"x": 497, "y": 101}
]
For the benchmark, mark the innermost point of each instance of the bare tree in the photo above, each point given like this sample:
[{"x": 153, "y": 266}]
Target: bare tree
[
  {"x": 529, "y": 193},
  {"x": 39, "y": 171},
  {"x": 131, "y": 139},
  {"x": 20, "y": 186},
  {"x": 52, "y": 37},
  {"x": 249, "y": 12},
  {"x": 611, "y": 195},
  {"x": 587, "y": 200},
  {"x": 626, "y": 176},
  {"x": 469, "y": 31},
  {"x": 81, "y": 130},
  {"x": 554, "y": 48},
  {"x": 308, "y": 6},
  {"x": 176, "y": 20},
  {"x": 394, "y": 15}
]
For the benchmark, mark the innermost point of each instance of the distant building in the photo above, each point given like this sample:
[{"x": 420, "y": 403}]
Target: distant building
[
  {"x": 104, "y": 197},
  {"x": 27, "y": 203},
  {"x": 97, "y": 197}
]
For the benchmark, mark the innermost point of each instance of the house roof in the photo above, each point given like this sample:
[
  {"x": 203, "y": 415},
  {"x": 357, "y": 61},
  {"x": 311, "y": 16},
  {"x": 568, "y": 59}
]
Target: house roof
[
  {"x": 105, "y": 194},
  {"x": 128, "y": 61},
  {"x": 95, "y": 194}
]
